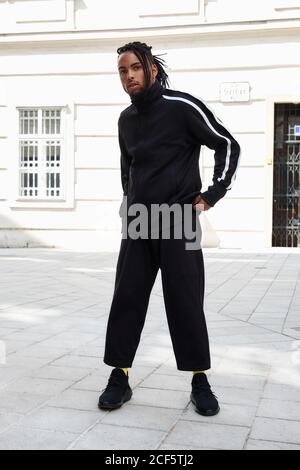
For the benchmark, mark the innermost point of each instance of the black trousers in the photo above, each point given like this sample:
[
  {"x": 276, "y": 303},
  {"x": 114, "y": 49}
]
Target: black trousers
[{"x": 183, "y": 282}]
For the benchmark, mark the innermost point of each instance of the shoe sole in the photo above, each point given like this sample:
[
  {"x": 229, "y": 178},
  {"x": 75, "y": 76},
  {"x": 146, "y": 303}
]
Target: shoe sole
[
  {"x": 118, "y": 405},
  {"x": 205, "y": 413}
]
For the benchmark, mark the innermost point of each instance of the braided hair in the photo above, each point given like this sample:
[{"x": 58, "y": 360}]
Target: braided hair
[{"x": 144, "y": 54}]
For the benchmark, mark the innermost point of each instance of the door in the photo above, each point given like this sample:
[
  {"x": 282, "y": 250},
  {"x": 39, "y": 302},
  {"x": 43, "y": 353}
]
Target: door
[{"x": 286, "y": 192}]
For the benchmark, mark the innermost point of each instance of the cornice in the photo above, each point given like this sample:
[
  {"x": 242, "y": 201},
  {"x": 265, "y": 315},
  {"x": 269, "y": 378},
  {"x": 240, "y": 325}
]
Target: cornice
[{"x": 80, "y": 37}]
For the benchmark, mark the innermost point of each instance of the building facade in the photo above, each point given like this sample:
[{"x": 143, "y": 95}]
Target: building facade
[{"x": 60, "y": 98}]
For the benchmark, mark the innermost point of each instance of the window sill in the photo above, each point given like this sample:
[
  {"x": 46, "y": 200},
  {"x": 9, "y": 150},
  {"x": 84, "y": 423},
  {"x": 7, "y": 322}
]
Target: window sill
[{"x": 41, "y": 204}]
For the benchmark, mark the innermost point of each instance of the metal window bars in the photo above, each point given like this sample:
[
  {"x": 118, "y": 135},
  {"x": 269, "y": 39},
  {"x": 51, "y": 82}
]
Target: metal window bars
[{"x": 41, "y": 153}]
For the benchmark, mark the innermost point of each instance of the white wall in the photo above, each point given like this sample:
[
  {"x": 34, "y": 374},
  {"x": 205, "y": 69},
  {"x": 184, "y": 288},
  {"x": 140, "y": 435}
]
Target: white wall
[
  {"x": 83, "y": 76},
  {"x": 65, "y": 15}
]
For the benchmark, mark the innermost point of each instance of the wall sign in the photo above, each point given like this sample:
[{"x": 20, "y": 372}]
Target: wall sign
[
  {"x": 234, "y": 92},
  {"x": 297, "y": 131}
]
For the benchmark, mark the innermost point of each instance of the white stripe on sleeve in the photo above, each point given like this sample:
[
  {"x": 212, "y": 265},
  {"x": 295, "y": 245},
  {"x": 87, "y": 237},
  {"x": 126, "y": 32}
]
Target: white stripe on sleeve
[{"x": 214, "y": 130}]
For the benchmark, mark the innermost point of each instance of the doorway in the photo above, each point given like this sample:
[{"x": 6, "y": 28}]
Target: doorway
[{"x": 286, "y": 179}]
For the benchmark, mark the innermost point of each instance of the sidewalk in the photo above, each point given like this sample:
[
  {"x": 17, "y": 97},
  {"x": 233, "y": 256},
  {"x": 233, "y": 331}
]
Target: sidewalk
[{"x": 53, "y": 313}]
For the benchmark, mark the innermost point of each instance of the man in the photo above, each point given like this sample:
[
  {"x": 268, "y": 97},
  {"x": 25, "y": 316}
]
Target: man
[{"x": 160, "y": 137}]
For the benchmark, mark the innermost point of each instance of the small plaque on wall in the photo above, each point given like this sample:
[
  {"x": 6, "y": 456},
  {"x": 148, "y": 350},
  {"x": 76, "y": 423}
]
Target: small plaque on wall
[
  {"x": 297, "y": 131},
  {"x": 234, "y": 92}
]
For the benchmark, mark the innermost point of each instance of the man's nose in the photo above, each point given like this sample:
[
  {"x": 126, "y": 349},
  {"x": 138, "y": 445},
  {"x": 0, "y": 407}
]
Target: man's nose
[{"x": 131, "y": 75}]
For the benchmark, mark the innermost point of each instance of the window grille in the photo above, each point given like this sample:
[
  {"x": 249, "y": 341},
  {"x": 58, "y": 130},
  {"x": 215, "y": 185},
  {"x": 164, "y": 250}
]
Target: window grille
[
  {"x": 286, "y": 196},
  {"x": 41, "y": 153}
]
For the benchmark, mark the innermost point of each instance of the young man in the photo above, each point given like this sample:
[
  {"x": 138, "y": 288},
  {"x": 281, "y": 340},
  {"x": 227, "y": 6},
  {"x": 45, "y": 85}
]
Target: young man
[{"x": 160, "y": 137}]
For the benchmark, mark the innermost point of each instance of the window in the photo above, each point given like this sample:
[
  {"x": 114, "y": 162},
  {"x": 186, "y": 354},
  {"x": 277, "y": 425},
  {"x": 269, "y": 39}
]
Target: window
[
  {"x": 40, "y": 10},
  {"x": 171, "y": 8},
  {"x": 286, "y": 4},
  {"x": 41, "y": 153}
]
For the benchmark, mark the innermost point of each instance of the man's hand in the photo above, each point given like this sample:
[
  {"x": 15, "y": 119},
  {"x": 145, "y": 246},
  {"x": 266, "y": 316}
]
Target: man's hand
[{"x": 200, "y": 205}]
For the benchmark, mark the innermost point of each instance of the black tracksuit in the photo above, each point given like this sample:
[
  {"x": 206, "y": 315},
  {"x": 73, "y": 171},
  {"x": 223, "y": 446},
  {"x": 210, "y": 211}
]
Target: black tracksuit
[{"x": 160, "y": 137}]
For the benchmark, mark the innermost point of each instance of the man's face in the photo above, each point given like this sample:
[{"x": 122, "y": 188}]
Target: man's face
[{"x": 132, "y": 73}]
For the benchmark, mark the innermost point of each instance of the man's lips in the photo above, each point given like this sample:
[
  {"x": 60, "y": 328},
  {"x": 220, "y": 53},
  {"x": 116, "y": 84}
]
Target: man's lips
[{"x": 132, "y": 85}]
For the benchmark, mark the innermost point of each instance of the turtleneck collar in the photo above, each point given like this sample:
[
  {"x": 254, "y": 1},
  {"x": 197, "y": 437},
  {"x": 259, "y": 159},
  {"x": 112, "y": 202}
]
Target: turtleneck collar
[{"x": 147, "y": 96}]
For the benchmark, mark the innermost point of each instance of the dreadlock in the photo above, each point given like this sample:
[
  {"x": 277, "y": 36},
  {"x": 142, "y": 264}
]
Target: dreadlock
[{"x": 144, "y": 54}]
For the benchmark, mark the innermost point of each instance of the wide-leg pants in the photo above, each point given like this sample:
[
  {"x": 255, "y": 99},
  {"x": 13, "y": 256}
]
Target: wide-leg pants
[{"x": 183, "y": 283}]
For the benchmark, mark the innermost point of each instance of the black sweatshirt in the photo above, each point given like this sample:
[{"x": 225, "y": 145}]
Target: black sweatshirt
[{"x": 160, "y": 136}]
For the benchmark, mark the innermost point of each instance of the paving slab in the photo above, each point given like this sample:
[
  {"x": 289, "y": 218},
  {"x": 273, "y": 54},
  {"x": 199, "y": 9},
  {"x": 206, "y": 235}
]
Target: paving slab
[{"x": 53, "y": 314}]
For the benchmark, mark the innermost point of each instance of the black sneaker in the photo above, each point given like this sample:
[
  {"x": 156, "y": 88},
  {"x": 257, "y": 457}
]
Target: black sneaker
[
  {"x": 117, "y": 391},
  {"x": 202, "y": 397}
]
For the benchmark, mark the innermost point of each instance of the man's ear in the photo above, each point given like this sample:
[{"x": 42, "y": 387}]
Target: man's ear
[{"x": 154, "y": 70}]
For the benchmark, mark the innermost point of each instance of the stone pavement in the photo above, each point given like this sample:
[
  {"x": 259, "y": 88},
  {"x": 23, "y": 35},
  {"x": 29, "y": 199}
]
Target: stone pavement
[{"x": 53, "y": 313}]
